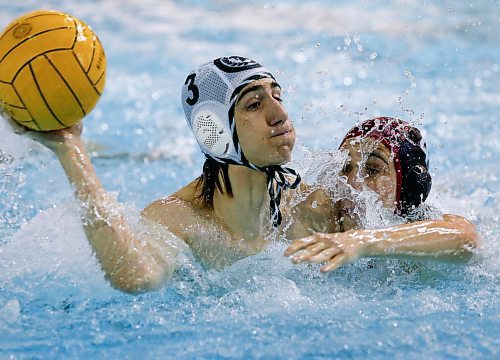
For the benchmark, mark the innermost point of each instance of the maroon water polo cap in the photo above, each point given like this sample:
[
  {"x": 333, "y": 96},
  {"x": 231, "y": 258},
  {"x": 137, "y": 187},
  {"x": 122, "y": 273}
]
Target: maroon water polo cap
[{"x": 411, "y": 159}]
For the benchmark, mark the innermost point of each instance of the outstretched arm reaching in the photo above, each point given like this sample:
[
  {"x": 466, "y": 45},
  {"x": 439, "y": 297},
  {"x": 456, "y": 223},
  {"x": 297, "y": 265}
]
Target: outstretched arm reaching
[
  {"x": 450, "y": 238},
  {"x": 131, "y": 263}
]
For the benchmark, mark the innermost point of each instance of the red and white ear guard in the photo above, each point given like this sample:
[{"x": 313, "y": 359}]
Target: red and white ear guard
[
  {"x": 413, "y": 180},
  {"x": 209, "y": 95}
]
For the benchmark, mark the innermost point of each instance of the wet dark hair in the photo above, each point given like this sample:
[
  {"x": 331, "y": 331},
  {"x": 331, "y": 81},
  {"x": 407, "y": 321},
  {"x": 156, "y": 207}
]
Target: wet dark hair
[{"x": 214, "y": 175}]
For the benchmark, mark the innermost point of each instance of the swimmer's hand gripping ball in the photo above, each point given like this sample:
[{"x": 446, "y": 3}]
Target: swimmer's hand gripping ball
[{"x": 52, "y": 70}]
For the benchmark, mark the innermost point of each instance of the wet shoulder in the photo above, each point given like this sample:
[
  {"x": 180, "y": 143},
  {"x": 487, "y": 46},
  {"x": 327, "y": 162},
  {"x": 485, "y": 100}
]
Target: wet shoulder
[
  {"x": 311, "y": 199},
  {"x": 176, "y": 212},
  {"x": 310, "y": 209}
]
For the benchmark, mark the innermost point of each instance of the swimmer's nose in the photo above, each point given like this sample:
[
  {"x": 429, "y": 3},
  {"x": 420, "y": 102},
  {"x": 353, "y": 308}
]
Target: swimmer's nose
[
  {"x": 354, "y": 181},
  {"x": 277, "y": 113}
]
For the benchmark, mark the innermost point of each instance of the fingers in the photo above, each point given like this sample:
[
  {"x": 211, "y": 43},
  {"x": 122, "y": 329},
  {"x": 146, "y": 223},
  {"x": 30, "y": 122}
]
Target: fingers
[
  {"x": 334, "y": 263},
  {"x": 309, "y": 252},
  {"x": 319, "y": 248},
  {"x": 320, "y": 252},
  {"x": 301, "y": 244},
  {"x": 56, "y": 139},
  {"x": 325, "y": 255}
]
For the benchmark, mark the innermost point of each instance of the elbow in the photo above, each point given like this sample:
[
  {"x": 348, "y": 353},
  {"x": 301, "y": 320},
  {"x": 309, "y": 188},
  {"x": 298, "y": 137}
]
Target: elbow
[
  {"x": 470, "y": 236},
  {"x": 467, "y": 232},
  {"x": 135, "y": 287},
  {"x": 140, "y": 281}
]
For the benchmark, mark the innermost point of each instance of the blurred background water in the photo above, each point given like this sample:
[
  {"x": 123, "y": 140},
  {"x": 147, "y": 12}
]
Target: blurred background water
[{"x": 436, "y": 64}]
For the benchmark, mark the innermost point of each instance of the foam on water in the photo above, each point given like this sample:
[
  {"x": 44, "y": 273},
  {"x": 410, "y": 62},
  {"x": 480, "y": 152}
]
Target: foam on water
[{"x": 434, "y": 64}]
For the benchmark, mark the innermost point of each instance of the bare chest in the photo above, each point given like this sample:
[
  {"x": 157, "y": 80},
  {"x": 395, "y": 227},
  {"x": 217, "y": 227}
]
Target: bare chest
[{"x": 214, "y": 246}]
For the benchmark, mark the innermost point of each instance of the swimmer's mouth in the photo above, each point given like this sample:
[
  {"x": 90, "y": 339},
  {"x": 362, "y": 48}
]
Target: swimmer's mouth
[{"x": 282, "y": 133}]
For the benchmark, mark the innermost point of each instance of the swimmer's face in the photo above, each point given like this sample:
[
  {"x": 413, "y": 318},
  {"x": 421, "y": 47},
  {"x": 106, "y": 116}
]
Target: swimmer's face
[
  {"x": 265, "y": 132},
  {"x": 371, "y": 164}
]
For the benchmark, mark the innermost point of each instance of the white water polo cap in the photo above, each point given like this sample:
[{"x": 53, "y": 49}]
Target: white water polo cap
[
  {"x": 208, "y": 98},
  {"x": 209, "y": 95}
]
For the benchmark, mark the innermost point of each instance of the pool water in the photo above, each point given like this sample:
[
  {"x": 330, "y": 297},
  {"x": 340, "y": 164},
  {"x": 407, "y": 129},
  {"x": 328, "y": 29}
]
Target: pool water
[{"x": 436, "y": 64}]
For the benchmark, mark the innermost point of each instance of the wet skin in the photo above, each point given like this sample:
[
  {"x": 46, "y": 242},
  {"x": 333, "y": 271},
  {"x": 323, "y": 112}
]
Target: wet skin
[
  {"x": 237, "y": 226},
  {"x": 369, "y": 165},
  {"x": 265, "y": 131}
]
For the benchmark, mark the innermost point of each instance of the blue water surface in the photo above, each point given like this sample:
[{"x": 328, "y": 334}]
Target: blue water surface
[{"x": 436, "y": 64}]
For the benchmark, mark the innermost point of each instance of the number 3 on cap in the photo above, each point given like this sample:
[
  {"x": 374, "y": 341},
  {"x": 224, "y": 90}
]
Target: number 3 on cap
[{"x": 194, "y": 90}]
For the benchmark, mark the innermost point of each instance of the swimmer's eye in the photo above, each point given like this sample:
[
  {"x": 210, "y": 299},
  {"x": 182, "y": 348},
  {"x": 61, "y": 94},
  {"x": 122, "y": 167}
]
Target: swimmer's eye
[
  {"x": 253, "y": 106},
  {"x": 372, "y": 170}
]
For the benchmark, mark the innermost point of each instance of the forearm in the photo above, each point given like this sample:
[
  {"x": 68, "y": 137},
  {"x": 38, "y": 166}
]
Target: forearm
[
  {"x": 451, "y": 237},
  {"x": 130, "y": 264}
]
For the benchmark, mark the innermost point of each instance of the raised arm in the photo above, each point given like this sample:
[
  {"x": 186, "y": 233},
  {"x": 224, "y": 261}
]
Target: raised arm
[
  {"x": 131, "y": 262},
  {"x": 451, "y": 238}
]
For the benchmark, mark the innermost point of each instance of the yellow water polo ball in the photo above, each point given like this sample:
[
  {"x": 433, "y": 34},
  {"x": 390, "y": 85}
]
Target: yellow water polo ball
[{"x": 52, "y": 70}]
